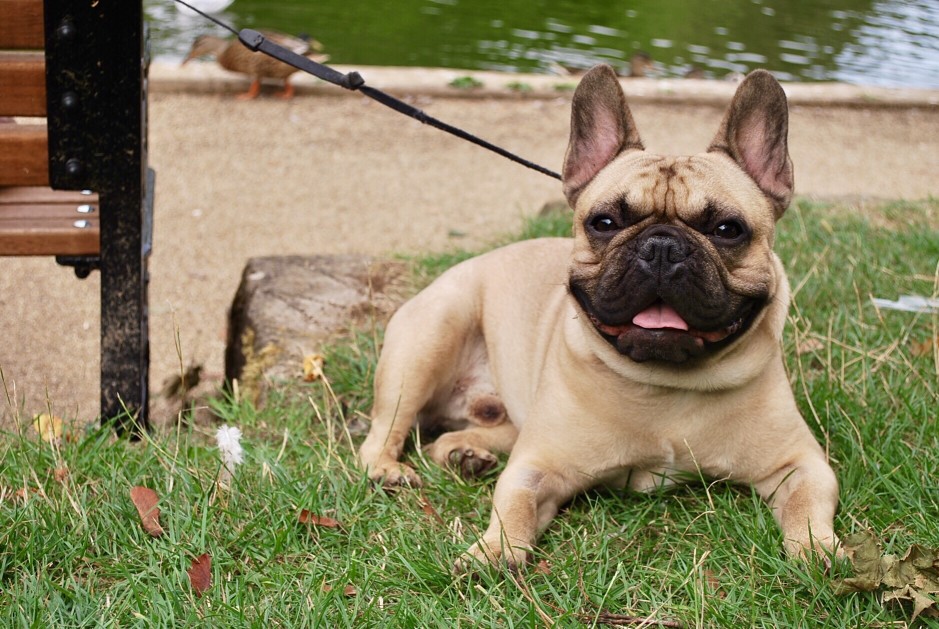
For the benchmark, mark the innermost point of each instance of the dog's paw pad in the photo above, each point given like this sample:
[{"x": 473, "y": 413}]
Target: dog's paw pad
[
  {"x": 823, "y": 551},
  {"x": 472, "y": 463},
  {"x": 483, "y": 553},
  {"x": 394, "y": 475}
]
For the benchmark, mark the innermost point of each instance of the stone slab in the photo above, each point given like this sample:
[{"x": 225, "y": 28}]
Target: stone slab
[{"x": 287, "y": 307}]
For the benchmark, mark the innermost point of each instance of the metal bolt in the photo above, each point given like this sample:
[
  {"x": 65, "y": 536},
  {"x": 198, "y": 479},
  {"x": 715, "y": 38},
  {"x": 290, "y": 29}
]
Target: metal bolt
[
  {"x": 66, "y": 30},
  {"x": 85, "y": 209},
  {"x": 73, "y": 167},
  {"x": 70, "y": 100},
  {"x": 82, "y": 224}
]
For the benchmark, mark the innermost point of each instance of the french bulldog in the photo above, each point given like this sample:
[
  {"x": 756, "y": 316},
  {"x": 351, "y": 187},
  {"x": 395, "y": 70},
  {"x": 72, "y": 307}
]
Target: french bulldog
[{"x": 645, "y": 349}]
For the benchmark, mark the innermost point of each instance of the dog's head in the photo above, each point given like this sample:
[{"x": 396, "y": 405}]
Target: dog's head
[{"x": 673, "y": 258}]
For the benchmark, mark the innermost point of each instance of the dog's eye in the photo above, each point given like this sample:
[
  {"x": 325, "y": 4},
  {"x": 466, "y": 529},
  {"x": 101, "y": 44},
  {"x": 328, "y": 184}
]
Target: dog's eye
[
  {"x": 603, "y": 224},
  {"x": 729, "y": 230}
]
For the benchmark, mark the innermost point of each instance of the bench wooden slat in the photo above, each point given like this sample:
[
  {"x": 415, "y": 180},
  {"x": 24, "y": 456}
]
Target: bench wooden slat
[
  {"x": 21, "y": 24},
  {"x": 46, "y": 211},
  {"x": 55, "y": 239},
  {"x": 22, "y": 83},
  {"x": 24, "y": 155},
  {"x": 42, "y": 194},
  {"x": 43, "y": 221}
]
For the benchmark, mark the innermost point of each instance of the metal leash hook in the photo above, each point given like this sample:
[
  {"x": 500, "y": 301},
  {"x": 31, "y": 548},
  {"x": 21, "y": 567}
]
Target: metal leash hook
[{"x": 256, "y": 42}]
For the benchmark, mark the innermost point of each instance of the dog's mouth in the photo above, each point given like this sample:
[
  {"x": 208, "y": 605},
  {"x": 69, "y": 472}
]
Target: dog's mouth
[
  {"x": 658, "y": 332},
  {"x": 661, "y": 316}
]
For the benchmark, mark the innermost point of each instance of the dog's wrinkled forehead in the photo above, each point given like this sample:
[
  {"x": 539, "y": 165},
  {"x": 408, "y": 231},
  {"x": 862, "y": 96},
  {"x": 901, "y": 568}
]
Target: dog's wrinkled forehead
[
  {"x": 747, "y": 163},
  {"x": 675, "y": 188}
]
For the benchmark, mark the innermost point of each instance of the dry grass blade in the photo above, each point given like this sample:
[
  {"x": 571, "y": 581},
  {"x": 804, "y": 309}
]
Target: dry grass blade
[{"x": 606, "y": 618}]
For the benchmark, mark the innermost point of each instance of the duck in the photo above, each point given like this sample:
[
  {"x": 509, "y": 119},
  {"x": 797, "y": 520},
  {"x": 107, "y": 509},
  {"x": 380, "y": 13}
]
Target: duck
[
  {"x": 640, "y": 65},
  {"x": 232, "y": 55}
]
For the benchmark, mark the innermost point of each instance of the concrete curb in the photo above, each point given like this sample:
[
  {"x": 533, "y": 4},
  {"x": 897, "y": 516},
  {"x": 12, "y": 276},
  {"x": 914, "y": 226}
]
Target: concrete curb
[{"x": 206, "y": 77}]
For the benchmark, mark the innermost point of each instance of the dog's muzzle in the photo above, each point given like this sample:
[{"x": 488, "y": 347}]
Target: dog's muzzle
[{"x": 665, "y": 301}]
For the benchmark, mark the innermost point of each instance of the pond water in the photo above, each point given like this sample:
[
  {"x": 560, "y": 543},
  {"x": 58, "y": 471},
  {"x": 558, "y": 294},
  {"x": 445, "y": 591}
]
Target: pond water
[{"x": 873, "y": 42}]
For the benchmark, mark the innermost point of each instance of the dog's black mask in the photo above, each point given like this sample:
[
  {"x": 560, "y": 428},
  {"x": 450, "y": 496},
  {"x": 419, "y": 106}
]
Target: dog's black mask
[{"x": 660, "y": 296}]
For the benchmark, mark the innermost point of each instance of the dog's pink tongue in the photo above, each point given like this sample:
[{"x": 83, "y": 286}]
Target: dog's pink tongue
[{"x": 659, "y": 316}]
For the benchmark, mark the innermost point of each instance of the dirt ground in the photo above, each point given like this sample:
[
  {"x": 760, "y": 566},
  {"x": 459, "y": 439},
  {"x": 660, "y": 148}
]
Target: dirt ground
[{"x": 340, "y": 174}]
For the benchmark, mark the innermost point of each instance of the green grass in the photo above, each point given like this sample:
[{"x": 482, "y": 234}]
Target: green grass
[{"x": 72, "y": 552}]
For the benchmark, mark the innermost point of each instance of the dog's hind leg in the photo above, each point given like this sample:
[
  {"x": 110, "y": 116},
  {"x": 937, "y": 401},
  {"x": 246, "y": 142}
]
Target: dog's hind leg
[{"x": 425, "y": 344}]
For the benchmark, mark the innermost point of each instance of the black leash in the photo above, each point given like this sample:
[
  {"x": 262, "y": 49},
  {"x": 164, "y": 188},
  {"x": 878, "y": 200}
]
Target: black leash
[{"x": 255, "y": 41}]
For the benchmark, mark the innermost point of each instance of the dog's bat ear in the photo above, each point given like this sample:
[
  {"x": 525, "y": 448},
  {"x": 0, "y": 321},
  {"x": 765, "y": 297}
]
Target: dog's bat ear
[
  {"x": 754, "y": 133},
  {"x": 602, "y": 127}
]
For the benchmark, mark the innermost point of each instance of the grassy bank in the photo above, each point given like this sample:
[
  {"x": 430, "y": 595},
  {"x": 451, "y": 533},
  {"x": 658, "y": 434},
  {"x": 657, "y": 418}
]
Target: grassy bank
[{"x": 73, "y": 552}]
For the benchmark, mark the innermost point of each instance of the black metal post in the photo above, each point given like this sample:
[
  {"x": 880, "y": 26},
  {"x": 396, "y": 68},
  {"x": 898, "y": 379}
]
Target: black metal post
[{"x": 96, "y": 65}]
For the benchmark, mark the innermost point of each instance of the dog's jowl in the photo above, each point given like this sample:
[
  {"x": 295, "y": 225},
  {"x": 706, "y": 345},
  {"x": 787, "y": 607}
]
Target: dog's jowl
[{"x": 644, "y": 348}]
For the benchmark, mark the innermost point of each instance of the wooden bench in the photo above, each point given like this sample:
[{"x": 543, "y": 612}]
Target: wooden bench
[{"x": 74, "y": 181}]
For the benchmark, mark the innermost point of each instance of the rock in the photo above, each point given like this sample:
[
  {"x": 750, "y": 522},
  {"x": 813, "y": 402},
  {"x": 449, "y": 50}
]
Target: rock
[{"x": 288, "y": 307}]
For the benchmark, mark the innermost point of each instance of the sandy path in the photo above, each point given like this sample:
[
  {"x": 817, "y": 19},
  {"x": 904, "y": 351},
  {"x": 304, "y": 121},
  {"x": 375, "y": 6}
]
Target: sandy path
[{"x": 340, "y": 174}]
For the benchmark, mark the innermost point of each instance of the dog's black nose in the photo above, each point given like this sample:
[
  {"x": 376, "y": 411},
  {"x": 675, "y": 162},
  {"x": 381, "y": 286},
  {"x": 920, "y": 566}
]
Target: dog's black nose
[{"x": 662, "y": 248}]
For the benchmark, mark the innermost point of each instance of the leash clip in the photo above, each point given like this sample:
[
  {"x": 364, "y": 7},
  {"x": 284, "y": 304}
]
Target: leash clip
[{"x": 251, "y": 38}]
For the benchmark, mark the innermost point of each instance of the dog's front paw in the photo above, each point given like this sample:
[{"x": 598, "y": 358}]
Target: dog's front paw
[
  {"x": 823, "y": 549},
  {"x": 394, "y": 474},
  {"x": 492, "y": 552}
]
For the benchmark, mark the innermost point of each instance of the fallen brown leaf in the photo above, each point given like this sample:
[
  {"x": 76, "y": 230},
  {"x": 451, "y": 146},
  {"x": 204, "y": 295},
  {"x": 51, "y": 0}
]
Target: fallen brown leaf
[
  {"x": 60, "y": 474},
  {"x": 913, "y": 577},
  {"x": 543, "y": 567},
  {"x": 924, "y": 348},
  {"x": 430, "y": 511},
  {"x": 308, "y": 517},
  {"x": 349, "y": 590},
  {"x": 710, "y": 577},
  {"x": 200, "y": 574},
  {"x": 145, "y": 499},
  {"x": 49, "y": 427},
  {"x": 313, "y": 367}
]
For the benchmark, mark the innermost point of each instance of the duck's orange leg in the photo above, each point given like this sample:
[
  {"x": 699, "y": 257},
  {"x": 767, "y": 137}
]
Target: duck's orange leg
[
  {"x": 252, "y": 92},
  {"x": 288, "y": 92}
]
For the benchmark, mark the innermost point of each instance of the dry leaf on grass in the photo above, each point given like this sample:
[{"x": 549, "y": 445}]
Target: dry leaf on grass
[
  {"x": 200, "y": 574},
  {"x": 60, "y": 474},
  {"x": 924, "y": 348},
  {"x": 913, "y": 577},
  {"x": 145, "y": 499},
  {"x": 430, "y": 511},
  {"x": 308, "y": 517},
  {"x": 49, "y": 427},
  {"x": 543, "y": 567},
  {"x": 349, "y": 590},
  {"x": 18, "y": 495},
  {"x": 313, "y": 367},
  {"x": 714, "y": 583}
]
